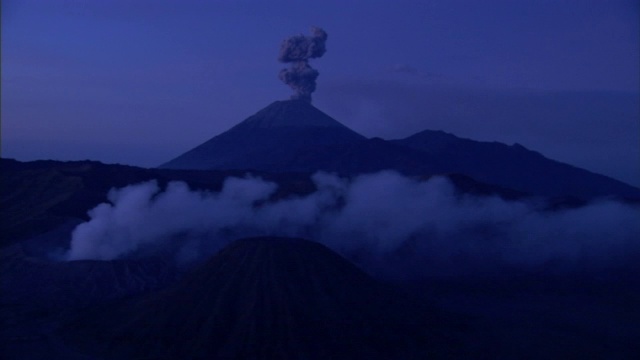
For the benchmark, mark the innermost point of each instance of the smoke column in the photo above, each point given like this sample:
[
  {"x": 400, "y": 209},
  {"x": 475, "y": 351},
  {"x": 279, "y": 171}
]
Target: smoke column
[{"x": 297, "y": 50}]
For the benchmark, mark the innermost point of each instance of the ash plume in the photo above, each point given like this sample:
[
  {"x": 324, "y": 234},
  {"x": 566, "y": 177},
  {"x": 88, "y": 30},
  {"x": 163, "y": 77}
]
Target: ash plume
[{"x": 297, "y": 50}]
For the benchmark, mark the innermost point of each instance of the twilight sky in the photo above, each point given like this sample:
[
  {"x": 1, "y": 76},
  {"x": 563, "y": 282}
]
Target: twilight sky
[{"x": 140, "y": 82}]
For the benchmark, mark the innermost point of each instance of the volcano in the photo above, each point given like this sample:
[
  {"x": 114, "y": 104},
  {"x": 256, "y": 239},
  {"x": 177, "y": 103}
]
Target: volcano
[
  {"x": 290, "y": 135},
  {"x": 294, "y": 136},
  {"x": 269, "y": 298}
]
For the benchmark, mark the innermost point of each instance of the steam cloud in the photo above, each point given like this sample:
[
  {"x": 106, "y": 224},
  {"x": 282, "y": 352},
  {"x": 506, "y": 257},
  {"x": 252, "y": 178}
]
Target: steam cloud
[
  {"x": 425, "y": 226},
  {"x": 297, "y": 50}
]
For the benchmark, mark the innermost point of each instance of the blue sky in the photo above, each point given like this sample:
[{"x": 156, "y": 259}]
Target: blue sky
[{"x": 139, "y": 82}]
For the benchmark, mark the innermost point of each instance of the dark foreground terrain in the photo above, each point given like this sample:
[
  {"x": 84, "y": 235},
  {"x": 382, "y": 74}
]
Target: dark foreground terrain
[
  {"x": 289, "y": 299},
  {"x": 271, "y": 298},
  {"x": 279, "y": 298}
]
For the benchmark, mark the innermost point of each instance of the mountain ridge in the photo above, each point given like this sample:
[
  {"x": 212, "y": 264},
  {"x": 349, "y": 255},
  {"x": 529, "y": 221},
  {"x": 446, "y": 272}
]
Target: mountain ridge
[
  {"x": 505, "y": 165},
  {"x": 295, "y": 136}
]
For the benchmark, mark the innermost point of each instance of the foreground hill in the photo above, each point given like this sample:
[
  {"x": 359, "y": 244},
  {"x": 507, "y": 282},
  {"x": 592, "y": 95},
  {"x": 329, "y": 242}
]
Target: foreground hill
[
  {"x": 294, "y": 136},
  {"x": 270, "y": 298}
]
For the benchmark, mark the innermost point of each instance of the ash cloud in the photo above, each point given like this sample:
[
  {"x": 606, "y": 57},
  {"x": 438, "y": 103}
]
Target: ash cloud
[
  {"x": 298, "y": 50},
  {"x": 386, "y": 222}
]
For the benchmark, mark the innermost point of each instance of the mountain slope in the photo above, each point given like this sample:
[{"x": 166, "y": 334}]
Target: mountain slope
[
  {"x": 293, "y": 136},
  {"x": 514, "y": 167},
  {"x": 270, "y": 140},
  {"x": 269, "y": 298}
]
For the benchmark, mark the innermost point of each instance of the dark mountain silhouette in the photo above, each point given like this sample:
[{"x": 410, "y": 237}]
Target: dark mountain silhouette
[
  {"x": 284, "y": 136},
  {"x": 294, "y": 136},
  {"x": 271, "y": 298},
  {"x": 514, "y": 167}
]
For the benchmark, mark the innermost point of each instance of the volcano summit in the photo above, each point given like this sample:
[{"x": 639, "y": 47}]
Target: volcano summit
[{"x": 284, "y": 136}]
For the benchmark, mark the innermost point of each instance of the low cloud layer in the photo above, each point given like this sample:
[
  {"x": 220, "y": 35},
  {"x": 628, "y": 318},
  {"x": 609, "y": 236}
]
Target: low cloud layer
[{"x": 381, "y": 220}]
